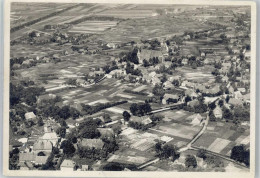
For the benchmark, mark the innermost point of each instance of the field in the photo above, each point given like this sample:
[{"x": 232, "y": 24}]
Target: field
[
  {"x": 221, "y": 139},
  {"x": 92, "y": 27}
]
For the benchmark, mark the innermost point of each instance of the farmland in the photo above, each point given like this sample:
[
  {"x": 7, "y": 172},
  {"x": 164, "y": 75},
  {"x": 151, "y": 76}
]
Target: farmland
[{"x": 132, "y": 86}]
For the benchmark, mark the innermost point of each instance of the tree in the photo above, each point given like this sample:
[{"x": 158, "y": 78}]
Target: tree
[
  {"x": 164, "y": 78},
  {"x": 201, "y": 153},
  {"x": 212, "y": 105},
  {"x": 40, "y": 122},
  {"x": 126, "y": 116},
  {"x": 107, "y": 118},
  {"x": 61, "y": 131},
  {"x": 240, "y": 154},
  {"x": 227, "y": 114},
  {"x": 221, "y": 103},
  {"x": 167, "y": 151},
  {"x": 212, "y": 116},
  {"x": 190, "y": 161},
  {"x": 187, "y": 99},
  {"x": 68, "y": 148}
]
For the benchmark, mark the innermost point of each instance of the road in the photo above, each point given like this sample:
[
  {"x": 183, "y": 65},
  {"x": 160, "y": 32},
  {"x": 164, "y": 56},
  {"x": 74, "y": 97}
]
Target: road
[{"x": 188, "y": 146}]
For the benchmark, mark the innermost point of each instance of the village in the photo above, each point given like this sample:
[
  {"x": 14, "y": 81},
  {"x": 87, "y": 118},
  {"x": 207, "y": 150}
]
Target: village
[{"x": 177, "y": 102}]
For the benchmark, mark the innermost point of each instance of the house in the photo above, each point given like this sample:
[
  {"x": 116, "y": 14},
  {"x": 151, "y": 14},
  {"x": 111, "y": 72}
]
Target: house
[
  {"x": 44, "y": 146},
  {"x": 41, "y": 159},
  {"x": 155, "y": 80},
  {"x": 246, "y": 98},
  {"x": 185, "y": 61},
  {"x": 195, "y": 119},
  {"x": 172, "y": 78},
  {"x": 92, "y": 143},
  {"x": 84, "y": 168},
  {"x": 168, "y": 85},
  {"x": 26, "y": 62},
  {"x": 142, "y": 120},
  {"x": 68, "y": 165},
  {"x": 225, "y": 79},
  {"x": 225, "y": 67},
  {"x": 231, "y": 89},
  {"x": 167, "y": 98},
  {"x": 77, "y": 106},
  {"x": 209, "y": 61},
  {"x": 106, "y": 132},
  {"x": 81, "y": 82},
  {"x": 218, "y": 112},
  {"x": 51, "y": 137},
  {"x": 193, "y": 103},
  {"x": 238, "y": 95},
  {"x": 27, "y": 157},
  {"x": 235, "y": 102},
  {"x": 30, "y": 116},
  {"x": 191, "y": 93}
]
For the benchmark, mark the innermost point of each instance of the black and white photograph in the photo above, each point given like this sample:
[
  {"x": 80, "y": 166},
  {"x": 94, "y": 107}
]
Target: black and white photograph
[{"x": 129, "y": 86}]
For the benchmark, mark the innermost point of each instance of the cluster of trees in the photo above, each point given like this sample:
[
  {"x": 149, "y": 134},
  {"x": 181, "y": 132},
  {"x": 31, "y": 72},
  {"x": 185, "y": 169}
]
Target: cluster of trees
[
  {"x": 152, "y": 62},
  {"x": 130, "y": 56},
  {"x": 110, "y": 146},
  {"x": 158, "y": 91},
  {"x": 16, "y": 28},
  {"x": 94, "y": 109},
  {"x": 109, "y": 68},
  {"x": 13, "y": 159},
  {"x": 140, "y": 126},
  {"x": 130, "y": 70},
  {"x": 88, "y": 129},
  {"x": 190, "y": 161},
  {"x": 114, "y": 166},
  {"x": 56, "y": 112},
  {"x": 68, "y": 148},
  {"x": 20, "y": 93},
  {"x": 140, "y": 109},
  {"x": 166, "y": 151},
  {"x": 241, "y": 154},
  {"x": 199, "y": 108},
  {"x": 194, "y": 63},
  {"x": 213, "y": 161}
]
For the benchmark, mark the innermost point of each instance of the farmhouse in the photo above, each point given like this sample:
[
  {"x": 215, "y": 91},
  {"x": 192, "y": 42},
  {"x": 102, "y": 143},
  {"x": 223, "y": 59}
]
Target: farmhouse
[
  {"x": 195, "y": 119},
  {"x": 168, "y": 85},
  {"x": 191, "y": 93},
  {"x": 68, "y": 165},
  {"x": 92, "y": 143},
  {"x": 235, "y": 102},
  {"x": 30, "y": 116},
  {"x": 217, "y": 112},
  {"x": 106, "y": 132}
]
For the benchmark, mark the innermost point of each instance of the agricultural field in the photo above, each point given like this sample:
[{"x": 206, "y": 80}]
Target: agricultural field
[
  {"x": 220, "y": 138},
  {"x": 92, "y": 27}
]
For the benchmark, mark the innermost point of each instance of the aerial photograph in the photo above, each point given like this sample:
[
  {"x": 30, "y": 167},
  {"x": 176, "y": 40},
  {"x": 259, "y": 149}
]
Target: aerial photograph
[{"x": 129, "y": 87}]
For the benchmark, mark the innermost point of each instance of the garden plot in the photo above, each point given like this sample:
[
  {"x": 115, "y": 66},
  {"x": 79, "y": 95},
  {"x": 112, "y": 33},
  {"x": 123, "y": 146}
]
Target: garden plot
[
  {"x": 218, "y": 145},
  {"x": 179, "y": 130}
]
